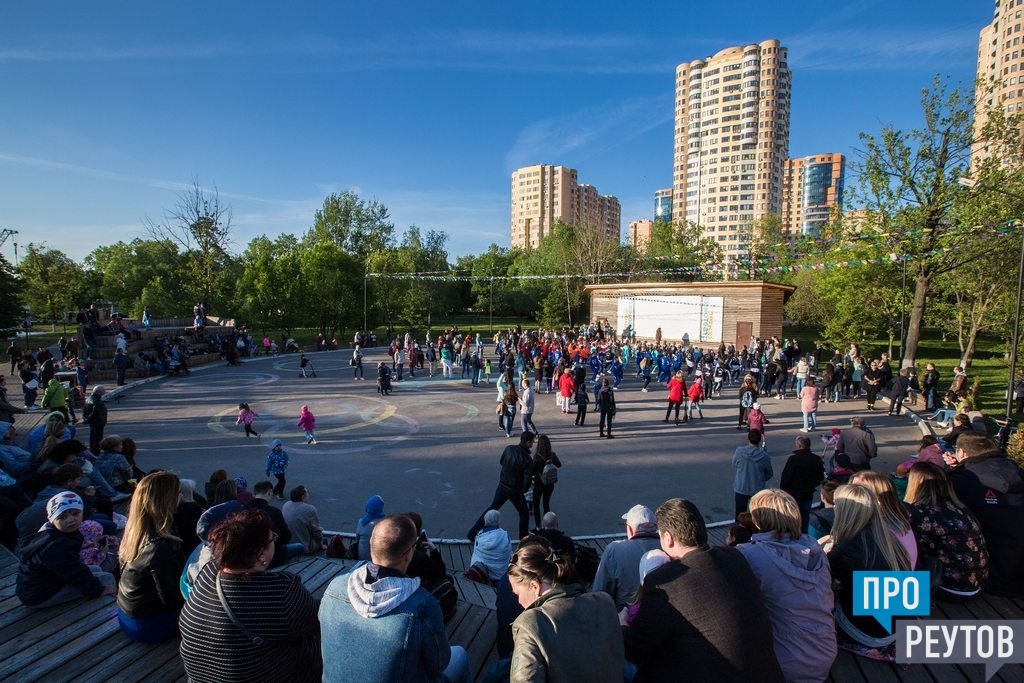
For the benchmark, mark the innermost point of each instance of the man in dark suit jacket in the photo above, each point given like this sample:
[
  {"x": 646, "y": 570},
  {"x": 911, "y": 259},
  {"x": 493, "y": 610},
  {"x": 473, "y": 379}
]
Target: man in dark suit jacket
[{"x": 701, "y": 616}]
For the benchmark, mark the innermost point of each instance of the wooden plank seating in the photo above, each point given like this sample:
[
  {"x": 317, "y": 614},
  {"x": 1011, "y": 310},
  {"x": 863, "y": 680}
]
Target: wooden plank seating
[{"x": 82, "y": 642}]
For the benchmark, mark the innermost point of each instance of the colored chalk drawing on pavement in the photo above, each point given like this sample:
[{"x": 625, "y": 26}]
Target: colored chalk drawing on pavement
[
  {"x": 321, "y": 364},
  {"x": 283, "y": 421},
  {"x": 216, "y": 383}
]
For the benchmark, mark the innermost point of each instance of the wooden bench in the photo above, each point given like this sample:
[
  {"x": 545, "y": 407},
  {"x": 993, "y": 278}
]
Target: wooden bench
[{"x": 82, "y": 642}]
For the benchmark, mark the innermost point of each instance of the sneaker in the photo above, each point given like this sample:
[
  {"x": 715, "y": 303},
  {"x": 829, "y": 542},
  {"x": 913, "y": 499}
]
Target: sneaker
[
  {"x": 611, "y": 436},
  {"x": 805, "y": 431}
]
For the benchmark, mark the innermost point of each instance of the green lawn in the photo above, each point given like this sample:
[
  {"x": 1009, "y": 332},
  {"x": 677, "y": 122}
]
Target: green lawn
[{"x": 990, "y": 362}]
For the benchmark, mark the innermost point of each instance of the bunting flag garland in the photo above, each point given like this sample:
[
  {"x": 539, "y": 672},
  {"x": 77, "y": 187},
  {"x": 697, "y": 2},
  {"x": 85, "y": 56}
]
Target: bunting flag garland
[{"x": 745, "y": 266}]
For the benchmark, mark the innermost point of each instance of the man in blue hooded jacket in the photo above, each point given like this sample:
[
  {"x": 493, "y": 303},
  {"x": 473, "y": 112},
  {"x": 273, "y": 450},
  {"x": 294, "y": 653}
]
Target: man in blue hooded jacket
[{"x": 379, "y": 625}]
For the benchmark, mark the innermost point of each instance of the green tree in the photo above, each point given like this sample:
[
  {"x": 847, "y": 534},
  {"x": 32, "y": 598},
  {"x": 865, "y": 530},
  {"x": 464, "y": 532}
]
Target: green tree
[
  {"x": 910, "y": 182},
  {"x": 139, "y": 274},
  {"x": 50, "y": 280},
  {"x": 353, "y": 224},
  {"x": 11, "y": 303},
  {"x": 681, "y": 254},
  {"x": 270, "y": 290}
]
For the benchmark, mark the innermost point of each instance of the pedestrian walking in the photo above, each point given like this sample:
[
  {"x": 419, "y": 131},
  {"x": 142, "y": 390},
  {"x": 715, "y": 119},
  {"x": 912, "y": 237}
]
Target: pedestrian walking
[
  {"x": 245, "y": 417},
  {"x": 307, "y": 423},
  {"x": 277, "y": 464}
]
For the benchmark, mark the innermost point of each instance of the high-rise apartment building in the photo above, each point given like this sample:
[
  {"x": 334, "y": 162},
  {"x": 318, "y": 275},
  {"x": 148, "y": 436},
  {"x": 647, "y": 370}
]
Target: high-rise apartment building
[
  {"x": 812, "y": 186},
  {"x": 731, "y": 141},
  {"x": 1000, "y": 75},
  {"x": 543, "y": 195},
  {"x": 663, "y": 205}
]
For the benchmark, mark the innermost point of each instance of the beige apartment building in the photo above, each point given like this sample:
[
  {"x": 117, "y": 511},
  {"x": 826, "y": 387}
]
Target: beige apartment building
[
  {"x": 731, "y": 141},
  {"x": 543, "y": 195},
  {"x": 639, "y": 233},
  {"x": 1000, "y": 68},
  {"x": 812, "y": 186}
]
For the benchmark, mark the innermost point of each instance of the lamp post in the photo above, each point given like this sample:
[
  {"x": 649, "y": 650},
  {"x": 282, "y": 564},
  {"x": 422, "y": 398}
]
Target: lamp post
[{"x": 1004, "y": 432}]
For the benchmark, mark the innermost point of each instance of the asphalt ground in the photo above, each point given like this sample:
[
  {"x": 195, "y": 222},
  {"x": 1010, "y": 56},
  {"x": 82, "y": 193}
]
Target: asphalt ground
[{"x": 433, "y": 445}]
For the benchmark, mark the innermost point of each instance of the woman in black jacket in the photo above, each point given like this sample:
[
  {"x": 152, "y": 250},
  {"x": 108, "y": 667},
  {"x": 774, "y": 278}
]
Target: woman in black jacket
[{"x": 151, "y": 561}]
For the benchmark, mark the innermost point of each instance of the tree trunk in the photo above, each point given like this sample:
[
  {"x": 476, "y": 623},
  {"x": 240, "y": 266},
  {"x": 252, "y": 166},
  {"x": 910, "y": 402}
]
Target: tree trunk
[
  {"x": 968, "y": 355},
  {"x": 921, "y": 285}
]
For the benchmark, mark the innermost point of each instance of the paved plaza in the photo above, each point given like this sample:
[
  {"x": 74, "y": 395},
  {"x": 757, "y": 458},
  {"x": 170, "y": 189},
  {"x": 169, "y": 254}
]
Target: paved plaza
[{"x": 433, "y": 445}]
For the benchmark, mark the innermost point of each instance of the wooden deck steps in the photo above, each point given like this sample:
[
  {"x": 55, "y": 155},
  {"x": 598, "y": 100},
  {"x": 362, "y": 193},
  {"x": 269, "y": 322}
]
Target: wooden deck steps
[{"x": 82, "y": 642}]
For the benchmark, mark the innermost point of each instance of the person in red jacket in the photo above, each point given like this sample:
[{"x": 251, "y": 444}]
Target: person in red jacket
[
  {"x": 696, "y": 395},
  {"x": 676, "y": 392}
]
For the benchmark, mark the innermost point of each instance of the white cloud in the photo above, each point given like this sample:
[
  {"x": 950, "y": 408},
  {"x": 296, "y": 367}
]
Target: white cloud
[
  {"x": 886, "y": 49},
  {"x": 582, "y": 133}
]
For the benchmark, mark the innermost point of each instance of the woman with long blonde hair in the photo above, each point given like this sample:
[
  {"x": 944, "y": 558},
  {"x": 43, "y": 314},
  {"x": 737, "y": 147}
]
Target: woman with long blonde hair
[
  {"x": 860, "y": 541},
  {"x": 893, "y": 512},
  {"x": 151, "y": 560}
]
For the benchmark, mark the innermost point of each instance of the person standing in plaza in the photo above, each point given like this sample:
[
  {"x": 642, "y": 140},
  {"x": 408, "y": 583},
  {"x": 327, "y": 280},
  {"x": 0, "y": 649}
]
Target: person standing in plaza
[
  {"x": 606, "y": 404},
  {"x": 526, "y": 404},
  {"x": 513, "y": 482},
  {"x": 753, "y": 469},
  {"x": 810, "y": 395},
  {"x": 748, "y": 397},
  {"x": 357, "y": 363},
  {"x": 95, "y": 414},
  {"x": 930, "y": 387},
  {"x": 277, "y": 464},
  {"x": 676, "y": 392}
]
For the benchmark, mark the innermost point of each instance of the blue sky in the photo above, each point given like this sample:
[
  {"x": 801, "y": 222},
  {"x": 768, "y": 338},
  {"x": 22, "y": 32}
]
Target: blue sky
[{"x": 109, "y": 109}]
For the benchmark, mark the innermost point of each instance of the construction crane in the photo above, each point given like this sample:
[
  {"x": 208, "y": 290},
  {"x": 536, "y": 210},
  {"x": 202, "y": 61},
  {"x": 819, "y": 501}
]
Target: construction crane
[{"x": 4, "y": 234}]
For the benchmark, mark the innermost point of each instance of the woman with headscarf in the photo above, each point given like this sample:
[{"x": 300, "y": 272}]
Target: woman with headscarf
[{"x": 374, "y": 511}]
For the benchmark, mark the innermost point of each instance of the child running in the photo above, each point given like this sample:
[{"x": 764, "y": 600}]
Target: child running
[
  {"x": 277, "y": 464},
  {"x": 307, "y": 422},
  {"x": 245, "y": 417}
]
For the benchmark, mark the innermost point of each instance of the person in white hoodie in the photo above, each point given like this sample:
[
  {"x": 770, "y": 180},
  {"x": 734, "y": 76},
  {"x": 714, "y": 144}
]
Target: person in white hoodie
[
  {"x": 379, "y": 625},
  {"x": 796, "y": 583},
  {"x": 492, "y": 547}
]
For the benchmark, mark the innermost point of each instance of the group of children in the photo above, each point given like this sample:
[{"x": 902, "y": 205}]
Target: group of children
[{"x": 277, "y": 459}]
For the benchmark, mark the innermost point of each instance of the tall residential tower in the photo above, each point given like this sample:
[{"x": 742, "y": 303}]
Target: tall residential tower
[
  {"x": 731, "y": 141},
  {"x": 812, "y": 186},
  {"x": 543, "y": 195},
  {"x": 1000, "y": 69}
]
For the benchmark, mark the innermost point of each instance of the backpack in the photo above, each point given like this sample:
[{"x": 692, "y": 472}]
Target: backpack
[
  {"x": 336, "y": 548},
  {"x": 549, "y": 475},
  {"x": 748, "y": 399}
]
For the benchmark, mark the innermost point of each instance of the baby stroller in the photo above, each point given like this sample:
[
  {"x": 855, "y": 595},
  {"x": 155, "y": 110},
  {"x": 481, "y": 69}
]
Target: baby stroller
[
  {"x": 290, "y": 346},
  {"x": 383, "y": 380}
]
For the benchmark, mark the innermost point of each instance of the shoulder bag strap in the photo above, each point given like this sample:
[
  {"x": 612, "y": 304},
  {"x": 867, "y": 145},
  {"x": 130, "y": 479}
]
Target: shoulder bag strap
[{"x": 256, "y": 640}]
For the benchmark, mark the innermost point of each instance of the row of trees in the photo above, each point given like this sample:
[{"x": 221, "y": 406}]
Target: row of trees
[{"x": 921, "y": 249}]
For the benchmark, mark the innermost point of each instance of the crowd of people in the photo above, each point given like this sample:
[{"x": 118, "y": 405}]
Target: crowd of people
[{"x": 199, "y": 565}]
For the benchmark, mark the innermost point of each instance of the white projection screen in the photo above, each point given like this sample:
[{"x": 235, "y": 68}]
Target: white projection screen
[{"x": 695, "y": 318}]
